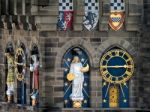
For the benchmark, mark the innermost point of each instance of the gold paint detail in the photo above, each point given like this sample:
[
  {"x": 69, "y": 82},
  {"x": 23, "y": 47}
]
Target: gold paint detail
[
  {"x": 19, "y": 52},
  {"x": 77, "y": 104},
  {"x": 70, "y": 76},
  {"x": 113, "y": 97},
  {"x": 128, "y": 66},
  {"x": 116, "y": 25}
]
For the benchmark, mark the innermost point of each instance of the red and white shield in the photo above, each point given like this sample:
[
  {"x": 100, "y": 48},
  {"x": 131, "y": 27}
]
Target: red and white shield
[{"x": 116, "y": 20}]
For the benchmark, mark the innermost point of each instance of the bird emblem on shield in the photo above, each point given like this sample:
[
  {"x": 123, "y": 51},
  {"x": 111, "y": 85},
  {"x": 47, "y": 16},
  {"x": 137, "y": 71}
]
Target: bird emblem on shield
[
  {"x": 91, "y": 16},
  {"x": 117, "y": 14}
]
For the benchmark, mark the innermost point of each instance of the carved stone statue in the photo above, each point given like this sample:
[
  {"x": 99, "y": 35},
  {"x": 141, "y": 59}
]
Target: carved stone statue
[
  {"x": 76, "y": 71},
  {"x": 10, "y": 76},
  {"x": 35, "y": 79}
]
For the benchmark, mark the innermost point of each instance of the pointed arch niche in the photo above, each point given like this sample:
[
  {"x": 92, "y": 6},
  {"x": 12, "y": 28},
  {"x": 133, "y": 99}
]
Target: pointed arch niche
[
  {"x": 21, "y": 59},
  {"x": 116, "y": 68},
  {"x": 68, "y": 85},
  {"x": 34, "y": 74},
  {"x": 9, "y": 72}
]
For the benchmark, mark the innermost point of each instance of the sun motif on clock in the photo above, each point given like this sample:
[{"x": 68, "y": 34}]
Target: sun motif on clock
[{"x": 116, "y": 66}]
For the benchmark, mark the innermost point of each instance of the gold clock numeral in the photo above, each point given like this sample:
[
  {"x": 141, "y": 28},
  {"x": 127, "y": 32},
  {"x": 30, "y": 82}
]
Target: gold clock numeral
[
  {"x": 104, "y": 73},
  {"x": 129, "y": 59},
  {"x": 110, "y": 54},
  {"x": 128, "y": 66},
  {"x": 117, "y": 52},
  {"x": 124, "y": 80},
  {"x": 110, "y": 77},
  {"x": 104, "y": 59},
  {"x": 103, "y": 66},
  {"x": 128, "y": 73},
  {"x": 123, "y": 54}
]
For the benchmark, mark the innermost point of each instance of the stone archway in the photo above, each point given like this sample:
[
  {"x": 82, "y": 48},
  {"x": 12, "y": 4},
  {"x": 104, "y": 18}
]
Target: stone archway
[
  {"x": 59, "y": 69},
  {"x": 72, "y": 43},
  {"x": 115, "y": 41},
  {"x": 21, "y": 71},
  {"x": 72, "y": 90},
  {"x": 124, "y": 45}
]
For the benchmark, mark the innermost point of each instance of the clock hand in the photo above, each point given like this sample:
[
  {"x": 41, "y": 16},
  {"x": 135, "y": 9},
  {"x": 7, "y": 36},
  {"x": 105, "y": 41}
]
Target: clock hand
[
  {"x": 128, "y": 66},
  {"x": 117, "y": 66}
]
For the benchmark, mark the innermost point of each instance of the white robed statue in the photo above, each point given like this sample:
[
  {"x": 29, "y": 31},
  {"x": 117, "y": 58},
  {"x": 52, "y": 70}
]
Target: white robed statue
[{"x": 77, "y": 77}]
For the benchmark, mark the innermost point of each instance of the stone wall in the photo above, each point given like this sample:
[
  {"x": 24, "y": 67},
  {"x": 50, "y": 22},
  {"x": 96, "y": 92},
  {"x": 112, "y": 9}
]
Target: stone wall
[
  {"x": 144, "y": 73},
  {"x": 27, "y": 38},
  {"x": 57, "y": 42},
  {"x": 53, "y": 44}
]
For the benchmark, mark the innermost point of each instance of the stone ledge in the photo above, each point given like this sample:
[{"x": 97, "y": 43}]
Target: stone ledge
[
  {"x": 25, "y": 108},
  {"x": 5, "y": 105},
  {"x": 104, "y": 109}
]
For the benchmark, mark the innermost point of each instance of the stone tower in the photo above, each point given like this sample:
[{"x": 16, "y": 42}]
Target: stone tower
[{"x": 34, "y": 22}]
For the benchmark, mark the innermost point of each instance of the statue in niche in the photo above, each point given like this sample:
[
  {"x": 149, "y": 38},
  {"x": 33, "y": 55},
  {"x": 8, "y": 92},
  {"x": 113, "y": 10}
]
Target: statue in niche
[
  {"x": 20, "y": 62},
  {"x": 76, "y": 75},
  {"x": 34, "y": 68},
  {"x": 10, "y": 74}
]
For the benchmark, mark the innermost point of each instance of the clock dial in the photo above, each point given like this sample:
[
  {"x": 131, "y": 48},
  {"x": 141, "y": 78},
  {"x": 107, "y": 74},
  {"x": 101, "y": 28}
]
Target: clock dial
[{"x": 116, "y": 66}]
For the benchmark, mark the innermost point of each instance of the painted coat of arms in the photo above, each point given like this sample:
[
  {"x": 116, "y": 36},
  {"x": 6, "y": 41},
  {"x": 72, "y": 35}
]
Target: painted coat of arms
[
  {"x": 91, "y": 16},
  {"x": 117, "y": 14},
  {"x": 65, "y": 18}
]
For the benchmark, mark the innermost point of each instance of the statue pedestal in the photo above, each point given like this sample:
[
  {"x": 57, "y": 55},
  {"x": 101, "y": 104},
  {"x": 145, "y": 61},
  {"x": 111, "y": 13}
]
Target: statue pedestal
[
  {"x": 9, "y": 99},
  {"x": 77, "y": 104},
  {"x": 34, "y": 102}
]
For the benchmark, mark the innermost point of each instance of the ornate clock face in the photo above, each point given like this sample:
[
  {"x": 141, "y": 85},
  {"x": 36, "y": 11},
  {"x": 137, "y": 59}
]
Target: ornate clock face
[{"x": 116, "y": 66}]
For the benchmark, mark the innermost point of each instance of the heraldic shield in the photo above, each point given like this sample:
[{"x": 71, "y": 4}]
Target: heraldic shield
[
  {"x": 91, "y": 16},
  {"x": 65, "y": 18},
  {"x": 117, "y": 14}
]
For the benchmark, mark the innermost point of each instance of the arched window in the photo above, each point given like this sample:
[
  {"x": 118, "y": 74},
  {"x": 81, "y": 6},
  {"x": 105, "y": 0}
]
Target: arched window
[
  {"x": 76, "y": 81},
  {"x": 116, "y": 68},
  {"x": 20, "y": 61}
]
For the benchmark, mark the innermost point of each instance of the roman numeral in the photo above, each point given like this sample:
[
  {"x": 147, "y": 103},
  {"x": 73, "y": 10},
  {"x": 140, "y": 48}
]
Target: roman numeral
[
  {"x": 110, "y": 54},
  {"x": 117, "y": 53},
  {"x": 105, "y": 72},
  {"x": 129, "y": 59},
  {"x": 128, "y": 73}
]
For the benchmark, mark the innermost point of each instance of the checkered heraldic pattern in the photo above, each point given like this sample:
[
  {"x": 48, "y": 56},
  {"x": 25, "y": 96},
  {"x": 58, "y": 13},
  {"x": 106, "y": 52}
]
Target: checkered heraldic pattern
[
  {"x": 116, "y": 19},
  {"x": 65, "y": 5},
  {"x": 91, "y": 5},
  {"x": 117, "y": 5}
]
